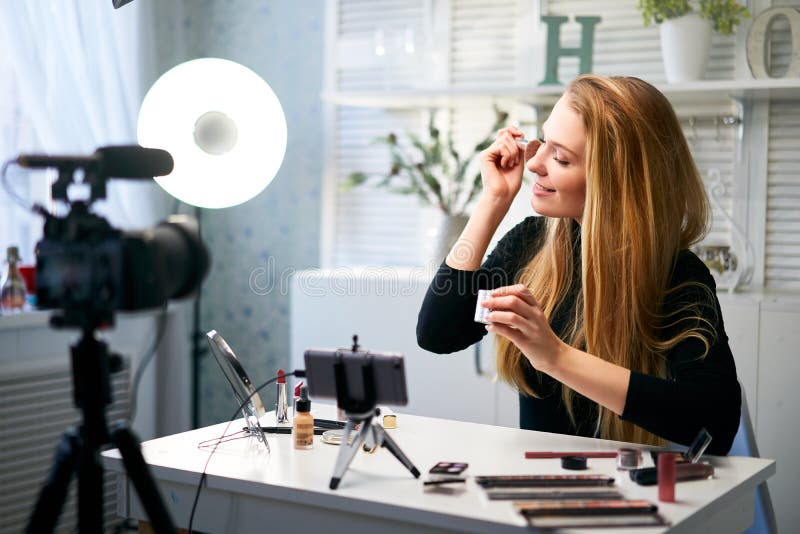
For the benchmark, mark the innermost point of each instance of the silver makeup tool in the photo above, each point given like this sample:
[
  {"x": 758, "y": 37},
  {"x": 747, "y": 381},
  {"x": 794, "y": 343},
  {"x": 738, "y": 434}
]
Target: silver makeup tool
[{"x": 480, "y": 311}]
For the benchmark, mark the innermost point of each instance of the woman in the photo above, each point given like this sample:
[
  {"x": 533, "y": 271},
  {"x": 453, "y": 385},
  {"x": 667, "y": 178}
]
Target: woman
[{"x": 606, "y": 323}]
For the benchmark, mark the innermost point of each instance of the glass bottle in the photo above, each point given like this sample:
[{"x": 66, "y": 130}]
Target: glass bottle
[
  {"x": 303, "y": 431},
  {"x": 12, "y": 294}
]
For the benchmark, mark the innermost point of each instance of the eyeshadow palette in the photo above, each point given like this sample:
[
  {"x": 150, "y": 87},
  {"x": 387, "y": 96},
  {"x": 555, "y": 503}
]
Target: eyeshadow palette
[
  {"x": 533, "y": 481},
  {"x": 449, "y": 468}
]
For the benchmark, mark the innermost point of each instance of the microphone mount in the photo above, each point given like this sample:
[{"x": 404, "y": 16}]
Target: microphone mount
[{"x": 66, "y": 176}]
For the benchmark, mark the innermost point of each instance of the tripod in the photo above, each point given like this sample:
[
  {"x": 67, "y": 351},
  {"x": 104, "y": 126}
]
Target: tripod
[
  {"x": 78, "y": 450},
  {"x": 361, "y": 412}
]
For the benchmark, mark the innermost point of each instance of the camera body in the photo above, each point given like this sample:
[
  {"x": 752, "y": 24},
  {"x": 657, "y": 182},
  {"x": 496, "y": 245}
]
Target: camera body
[{"x": 89, "y": 269}]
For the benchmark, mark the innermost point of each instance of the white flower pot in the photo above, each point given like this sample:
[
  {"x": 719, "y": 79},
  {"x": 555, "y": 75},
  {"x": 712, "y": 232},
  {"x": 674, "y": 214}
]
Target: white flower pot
[
  {"x": 450, "y": 227},
  {"x": 685, "y": 46}
]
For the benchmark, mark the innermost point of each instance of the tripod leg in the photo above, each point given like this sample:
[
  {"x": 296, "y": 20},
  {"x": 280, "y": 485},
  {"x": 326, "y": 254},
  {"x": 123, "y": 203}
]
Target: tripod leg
[
  {"x": 348, "y": 450},
  {"x": 54, "y": 492},
  {"x": 139, "y": 474},
  {"x": 389, "y": 443},
  {"x": 90, "y": 488}
]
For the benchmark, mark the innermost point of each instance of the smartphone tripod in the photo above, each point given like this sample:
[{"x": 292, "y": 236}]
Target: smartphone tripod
[
  {"x": 370, "y": 433},
  {"x": 78, "y": 451}
]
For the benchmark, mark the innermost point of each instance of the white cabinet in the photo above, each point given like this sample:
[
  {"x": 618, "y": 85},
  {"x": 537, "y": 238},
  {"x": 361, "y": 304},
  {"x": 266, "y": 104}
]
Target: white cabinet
[
  {"x": 764, "y": 333},
  {"x": 778, "y": 427},
  {"x": 381, "y": 306},
  {"x": 740, "y": 313}
]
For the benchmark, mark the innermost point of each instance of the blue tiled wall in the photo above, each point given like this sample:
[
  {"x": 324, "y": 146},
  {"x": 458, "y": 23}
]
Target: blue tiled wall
[{"x": 277, "y": 231}]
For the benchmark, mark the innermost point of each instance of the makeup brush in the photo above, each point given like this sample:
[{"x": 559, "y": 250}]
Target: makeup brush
[{"x": 530, "y": 147}]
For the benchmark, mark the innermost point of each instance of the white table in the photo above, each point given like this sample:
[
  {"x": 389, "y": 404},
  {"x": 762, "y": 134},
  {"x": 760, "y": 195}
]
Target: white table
[{"x": 286, "y": 491}]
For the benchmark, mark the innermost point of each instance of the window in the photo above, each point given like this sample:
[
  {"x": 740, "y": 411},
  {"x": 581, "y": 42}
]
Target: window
[{"x": 473, "y": 46}]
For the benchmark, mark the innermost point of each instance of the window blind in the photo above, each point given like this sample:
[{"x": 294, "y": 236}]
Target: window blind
[
  {"x": 782, "y": 228},
  {"x": 782, "y": 238},
  {"x": 379, "y": 46},
  {"x": 484, "y": 46},
  {"x": 373, "y": 226}
]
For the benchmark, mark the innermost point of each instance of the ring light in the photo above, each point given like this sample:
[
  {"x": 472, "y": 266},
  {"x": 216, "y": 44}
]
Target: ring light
[{"x": 224, "y": 127}]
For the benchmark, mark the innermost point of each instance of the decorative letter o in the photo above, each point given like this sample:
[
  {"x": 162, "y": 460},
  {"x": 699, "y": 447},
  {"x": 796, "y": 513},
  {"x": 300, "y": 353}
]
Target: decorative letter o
[{"x": 757, "y": 41}]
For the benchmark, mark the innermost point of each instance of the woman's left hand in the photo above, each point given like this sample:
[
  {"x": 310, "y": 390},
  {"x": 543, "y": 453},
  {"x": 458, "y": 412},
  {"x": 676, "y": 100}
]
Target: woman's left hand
[{"x": 516, "y": 315}]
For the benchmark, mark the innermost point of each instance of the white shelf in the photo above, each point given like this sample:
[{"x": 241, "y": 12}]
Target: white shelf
[
  {"x": 26, "y": 319},
  {"x": 775, "y": 88},
  {"x": 425, "y": 98},
  {"x": 706, "y": 90}
]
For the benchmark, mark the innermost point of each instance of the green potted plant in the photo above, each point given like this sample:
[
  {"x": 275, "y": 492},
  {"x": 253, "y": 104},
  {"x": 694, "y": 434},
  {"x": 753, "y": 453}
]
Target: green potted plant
[
  {"x": 686, "y": 29},
  {"x": 435, "y": 172}
]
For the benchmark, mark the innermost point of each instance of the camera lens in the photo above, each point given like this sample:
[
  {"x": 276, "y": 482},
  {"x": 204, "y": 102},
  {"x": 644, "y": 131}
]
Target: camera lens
[{"x": 166, "y": 262}]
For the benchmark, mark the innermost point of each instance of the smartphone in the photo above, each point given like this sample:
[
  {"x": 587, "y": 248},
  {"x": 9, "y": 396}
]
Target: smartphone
[{"x": 366, "y": 374}]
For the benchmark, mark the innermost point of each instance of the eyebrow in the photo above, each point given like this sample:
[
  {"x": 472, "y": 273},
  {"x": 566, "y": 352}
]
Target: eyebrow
[{"x": 559, "y": 145}]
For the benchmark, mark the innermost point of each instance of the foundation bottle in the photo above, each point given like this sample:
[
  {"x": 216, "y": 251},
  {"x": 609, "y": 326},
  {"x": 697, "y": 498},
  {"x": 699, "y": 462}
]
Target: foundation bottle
[{"x": 303, "y": 431}]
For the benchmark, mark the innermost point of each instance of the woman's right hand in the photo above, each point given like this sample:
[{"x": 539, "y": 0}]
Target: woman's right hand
[
  {"x": 501, "y": 173},
  {"x": 502, "y": 164}
]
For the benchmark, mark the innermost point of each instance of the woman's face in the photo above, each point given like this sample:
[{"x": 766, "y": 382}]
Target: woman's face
[{"x": 559, "y": 189}]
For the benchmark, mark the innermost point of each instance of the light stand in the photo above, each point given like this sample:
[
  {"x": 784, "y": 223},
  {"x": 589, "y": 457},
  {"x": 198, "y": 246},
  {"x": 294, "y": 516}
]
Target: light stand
[
  {"x": 198, "y": 348},
  {"x": 361, "y": 412}
]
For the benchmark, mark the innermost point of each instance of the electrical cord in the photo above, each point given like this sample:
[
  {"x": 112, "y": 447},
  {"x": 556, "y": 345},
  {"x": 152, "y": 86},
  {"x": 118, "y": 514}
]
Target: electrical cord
[
  {"x": 298, "y": 373},
  {"x": 151, "y": 352},
  {"x": 33, "y": 207},
  {"x": 145, "y": 361},
  {"x": 4, "y": 180}
]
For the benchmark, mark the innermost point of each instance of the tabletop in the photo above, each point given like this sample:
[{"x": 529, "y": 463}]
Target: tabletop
[{"x": 377, "y": 486}]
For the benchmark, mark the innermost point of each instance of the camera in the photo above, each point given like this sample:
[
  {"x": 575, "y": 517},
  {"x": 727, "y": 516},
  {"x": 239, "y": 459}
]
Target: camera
[{"x": 89, "y": 269}]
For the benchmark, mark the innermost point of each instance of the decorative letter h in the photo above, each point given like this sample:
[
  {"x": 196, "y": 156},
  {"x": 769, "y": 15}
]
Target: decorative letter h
[{"x": 555, "y": 50}]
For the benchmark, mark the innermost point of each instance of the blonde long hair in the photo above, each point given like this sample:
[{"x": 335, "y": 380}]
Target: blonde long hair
[{"x": 645, "y": 202}]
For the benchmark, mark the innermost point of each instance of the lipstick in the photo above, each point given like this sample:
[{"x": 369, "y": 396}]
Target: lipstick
[{"x": 281, "y": 402}]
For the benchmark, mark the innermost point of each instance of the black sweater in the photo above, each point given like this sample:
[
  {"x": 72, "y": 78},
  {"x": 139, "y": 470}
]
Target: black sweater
[{"x": 698, "y": 392}]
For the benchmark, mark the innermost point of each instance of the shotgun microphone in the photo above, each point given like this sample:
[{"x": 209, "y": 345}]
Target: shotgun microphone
[{"x": 119, "y": 161}]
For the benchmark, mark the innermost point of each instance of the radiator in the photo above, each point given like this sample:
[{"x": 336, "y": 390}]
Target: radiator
[{"x": 36, "y": 407}]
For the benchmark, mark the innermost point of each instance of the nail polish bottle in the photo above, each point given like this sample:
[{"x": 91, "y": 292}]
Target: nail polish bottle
[
  {"x": 281, "y": 403},
  {"x": 303, "y": 432}
]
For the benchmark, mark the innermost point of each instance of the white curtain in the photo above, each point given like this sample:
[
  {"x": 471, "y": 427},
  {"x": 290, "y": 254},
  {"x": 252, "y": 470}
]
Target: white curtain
[{"x": 81, "y": 68}]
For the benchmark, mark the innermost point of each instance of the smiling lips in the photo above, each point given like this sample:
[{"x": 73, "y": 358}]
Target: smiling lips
[{"x": 539, "y": 187}]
